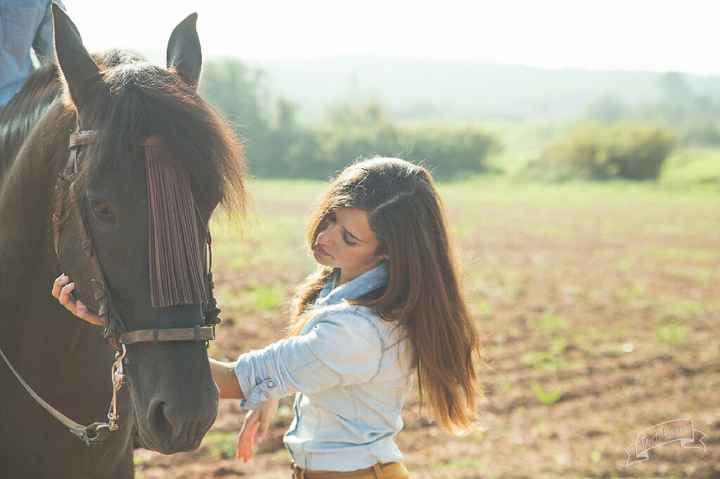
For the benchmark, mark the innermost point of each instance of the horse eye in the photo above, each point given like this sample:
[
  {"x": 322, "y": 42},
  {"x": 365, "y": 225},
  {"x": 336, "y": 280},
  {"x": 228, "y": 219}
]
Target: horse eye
[{"x": 102, "y": 210}]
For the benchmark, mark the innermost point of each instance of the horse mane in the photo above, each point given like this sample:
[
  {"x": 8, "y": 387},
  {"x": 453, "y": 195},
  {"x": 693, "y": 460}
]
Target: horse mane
[
  {"x": 24, "y": 110},
  {"x": 35, "y": 98},
  {"x": 143, "y": 100}
]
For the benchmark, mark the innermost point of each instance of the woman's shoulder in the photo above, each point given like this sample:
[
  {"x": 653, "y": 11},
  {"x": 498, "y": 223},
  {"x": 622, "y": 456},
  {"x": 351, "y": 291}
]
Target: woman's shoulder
[
  {"x": 361, "y": 319},
  {"x": 349, "y": 315}
]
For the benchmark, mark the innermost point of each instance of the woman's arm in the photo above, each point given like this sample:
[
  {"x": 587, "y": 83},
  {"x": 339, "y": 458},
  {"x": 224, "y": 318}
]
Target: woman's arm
[
  {"x": 342, "y": 347},
  {"x": 223, "y": 373}
]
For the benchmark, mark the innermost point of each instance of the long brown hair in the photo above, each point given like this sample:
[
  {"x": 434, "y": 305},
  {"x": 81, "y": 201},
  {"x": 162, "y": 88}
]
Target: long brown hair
[{"x": 423, "y": 293}]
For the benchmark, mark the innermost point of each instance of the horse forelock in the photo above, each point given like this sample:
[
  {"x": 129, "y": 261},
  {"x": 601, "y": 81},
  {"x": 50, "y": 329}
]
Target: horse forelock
[{"x": 145, "y": 100}]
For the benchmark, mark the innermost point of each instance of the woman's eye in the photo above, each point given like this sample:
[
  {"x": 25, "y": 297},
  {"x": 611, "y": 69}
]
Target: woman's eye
[
  {"x": 102, "y": 210},
  {"x": 348, "y": 241}
]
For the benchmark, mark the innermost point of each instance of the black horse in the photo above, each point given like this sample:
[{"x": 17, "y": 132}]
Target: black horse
[{"x": 169, "y": 400}]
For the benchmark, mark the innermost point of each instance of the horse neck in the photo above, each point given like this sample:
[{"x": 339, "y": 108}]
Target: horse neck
[
  {"x": 24, "y": 110},
  {"x": 41, "y": 339},
  {"x": 27, "y": 262}
]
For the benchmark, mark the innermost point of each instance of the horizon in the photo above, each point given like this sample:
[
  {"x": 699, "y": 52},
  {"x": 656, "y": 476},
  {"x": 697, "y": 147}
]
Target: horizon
[{"x": 603, "y": 36}]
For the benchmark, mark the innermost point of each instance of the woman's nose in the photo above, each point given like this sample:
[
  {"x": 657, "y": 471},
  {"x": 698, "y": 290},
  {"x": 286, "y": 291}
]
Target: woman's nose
[{"x": 325, "y": 236}]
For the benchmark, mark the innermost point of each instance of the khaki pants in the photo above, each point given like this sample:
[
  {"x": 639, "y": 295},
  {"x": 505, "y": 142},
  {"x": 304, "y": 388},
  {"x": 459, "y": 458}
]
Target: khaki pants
[{"x": 388, "y": 470}]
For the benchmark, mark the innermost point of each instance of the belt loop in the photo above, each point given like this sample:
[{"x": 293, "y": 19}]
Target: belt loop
[{"x": 378, "y": 471}]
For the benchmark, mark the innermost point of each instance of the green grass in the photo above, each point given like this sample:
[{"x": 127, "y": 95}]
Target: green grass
[
  {"x": 266, "y": 297},
  {"x": 547, "y": 397},
  {"x": 551, "y": 323},
  {"x": 686, "y": 309},
  {"x": 221, "y": 445},
  {"x": 544, "y": 360},
  {"x": 684, "y": 254},
  {"x": 673, "y": 334},
  {"x": 693, "y": 166}
]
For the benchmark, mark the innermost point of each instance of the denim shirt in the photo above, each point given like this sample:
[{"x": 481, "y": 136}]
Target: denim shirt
[
  {"x": 351, "y": 372},
  {"x": 24, "y": 24}
]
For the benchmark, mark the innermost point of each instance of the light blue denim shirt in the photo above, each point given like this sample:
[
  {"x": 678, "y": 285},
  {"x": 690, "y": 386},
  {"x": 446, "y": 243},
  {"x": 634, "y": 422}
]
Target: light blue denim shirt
[
  {"x": 351, "y": 372},
  {"x": 24, "y": 24}
]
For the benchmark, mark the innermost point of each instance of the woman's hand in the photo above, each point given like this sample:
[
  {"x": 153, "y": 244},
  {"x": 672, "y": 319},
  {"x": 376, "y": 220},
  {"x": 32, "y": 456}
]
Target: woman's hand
[
  {"x": 62, "y": 287},
  {"x": 255, "y": 428}
]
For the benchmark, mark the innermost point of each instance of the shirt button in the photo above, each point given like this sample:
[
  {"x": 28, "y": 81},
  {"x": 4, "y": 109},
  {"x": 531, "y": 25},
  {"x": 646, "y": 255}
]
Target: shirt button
[{"x": 270, "y": 383}]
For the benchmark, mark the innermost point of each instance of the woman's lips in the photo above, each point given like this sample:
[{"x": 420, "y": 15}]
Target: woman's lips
[{"x": 319, "y": 250}]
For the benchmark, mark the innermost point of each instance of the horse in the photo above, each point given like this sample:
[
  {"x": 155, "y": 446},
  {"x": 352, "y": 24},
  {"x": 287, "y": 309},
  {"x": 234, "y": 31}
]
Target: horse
[{"x": 86, "y": 150}]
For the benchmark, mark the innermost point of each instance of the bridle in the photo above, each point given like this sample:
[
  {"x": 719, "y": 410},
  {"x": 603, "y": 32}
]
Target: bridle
[{"x": 115, "y": 331}]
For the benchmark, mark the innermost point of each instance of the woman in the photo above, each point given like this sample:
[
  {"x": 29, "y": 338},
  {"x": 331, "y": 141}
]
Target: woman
[{"x": 384, "y": 305}]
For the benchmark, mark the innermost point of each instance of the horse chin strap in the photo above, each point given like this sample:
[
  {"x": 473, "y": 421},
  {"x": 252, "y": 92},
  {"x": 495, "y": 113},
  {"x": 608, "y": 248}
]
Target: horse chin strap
[{"x": 115, "y": 331}]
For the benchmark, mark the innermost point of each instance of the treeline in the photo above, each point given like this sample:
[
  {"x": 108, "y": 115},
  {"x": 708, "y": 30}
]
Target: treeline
[{"x": 278, "y": 145}]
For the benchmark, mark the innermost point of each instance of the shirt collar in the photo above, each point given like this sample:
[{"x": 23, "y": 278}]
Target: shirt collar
[{"x": 355, "y": 288}]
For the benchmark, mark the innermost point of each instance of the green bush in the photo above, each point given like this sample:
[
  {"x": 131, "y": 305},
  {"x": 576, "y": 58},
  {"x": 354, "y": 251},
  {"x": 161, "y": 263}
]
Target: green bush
[
  {"x": 692, "y": 166},
  {"x": 450, "y": 152},
  {"x": 605, "y": 152}
]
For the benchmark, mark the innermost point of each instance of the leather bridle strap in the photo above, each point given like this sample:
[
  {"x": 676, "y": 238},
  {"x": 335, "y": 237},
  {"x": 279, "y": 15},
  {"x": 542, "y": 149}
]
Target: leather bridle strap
[
  {"x": 198, "y": 333},
  {"x": 75, "y": 427},
  {"x": 91, "y": 434}
]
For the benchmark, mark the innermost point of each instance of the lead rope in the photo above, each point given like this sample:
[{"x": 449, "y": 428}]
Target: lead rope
[{"x": 97, "y": 431}]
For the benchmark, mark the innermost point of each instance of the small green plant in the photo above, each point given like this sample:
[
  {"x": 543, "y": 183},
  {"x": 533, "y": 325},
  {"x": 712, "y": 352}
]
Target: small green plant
[
  {"x": 484, "y": 308},
  {"x": 558, "y": 345},
  {"x": 544, "y": 360},
  {"x": 551, "y": 323},
  {"x": 686, "y": 309},
  {"x": 220, "y": 444},
  {"x": 673, "y": 334},
  {"x": 550, "y": 359},
  {"x": 546, "y": 396}
]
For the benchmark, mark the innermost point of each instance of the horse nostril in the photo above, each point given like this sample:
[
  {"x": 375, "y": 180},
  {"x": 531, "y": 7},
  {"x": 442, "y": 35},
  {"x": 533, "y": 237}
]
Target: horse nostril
[{"x": 157, "y": 419}]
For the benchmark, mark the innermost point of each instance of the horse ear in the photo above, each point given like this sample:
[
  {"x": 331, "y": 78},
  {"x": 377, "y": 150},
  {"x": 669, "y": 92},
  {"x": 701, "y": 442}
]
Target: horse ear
[
  {"x": 183, "y": 51},
  {"x": 75, "y": 62}
]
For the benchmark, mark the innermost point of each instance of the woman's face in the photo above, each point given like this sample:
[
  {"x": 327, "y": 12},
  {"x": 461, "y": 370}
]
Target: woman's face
[{"x": 347, "y": 242}]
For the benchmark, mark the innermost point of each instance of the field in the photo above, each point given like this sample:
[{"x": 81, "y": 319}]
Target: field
[{"x": 599, "y": 305}]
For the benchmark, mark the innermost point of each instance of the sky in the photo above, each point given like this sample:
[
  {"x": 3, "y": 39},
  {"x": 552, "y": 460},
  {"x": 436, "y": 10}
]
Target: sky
[{"x": 657, "y": 35}]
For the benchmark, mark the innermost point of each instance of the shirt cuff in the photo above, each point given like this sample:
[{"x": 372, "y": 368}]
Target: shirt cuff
[{"x": 254, "y": 393}]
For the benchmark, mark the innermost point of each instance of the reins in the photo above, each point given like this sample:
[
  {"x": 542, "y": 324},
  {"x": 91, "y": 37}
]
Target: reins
[
  {"x": 96, "y": 432},
  {"x": 115, "y": 331}
]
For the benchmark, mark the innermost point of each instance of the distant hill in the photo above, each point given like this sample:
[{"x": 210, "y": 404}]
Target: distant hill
[
  {"x": 427, "y": 90},
  {"x": 415, "y": 89}
]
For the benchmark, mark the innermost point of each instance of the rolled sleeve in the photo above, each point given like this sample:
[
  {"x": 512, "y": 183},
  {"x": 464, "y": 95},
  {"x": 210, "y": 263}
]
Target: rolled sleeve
[{"x": 341, "y": 348}]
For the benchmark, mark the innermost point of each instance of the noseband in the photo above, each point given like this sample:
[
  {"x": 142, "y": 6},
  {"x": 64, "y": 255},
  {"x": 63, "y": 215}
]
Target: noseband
[{"x": 115, "y": 331}]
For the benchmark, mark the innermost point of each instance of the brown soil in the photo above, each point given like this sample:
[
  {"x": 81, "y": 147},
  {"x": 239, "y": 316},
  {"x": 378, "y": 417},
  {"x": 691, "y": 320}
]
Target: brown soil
[{"x": 607, "y": 279}]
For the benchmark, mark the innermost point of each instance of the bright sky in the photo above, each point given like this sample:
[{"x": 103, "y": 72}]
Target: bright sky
[{"x": 681, "y": 35}]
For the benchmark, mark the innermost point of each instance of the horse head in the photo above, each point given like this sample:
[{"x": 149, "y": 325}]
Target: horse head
[{"x": 148, "y": 164}]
